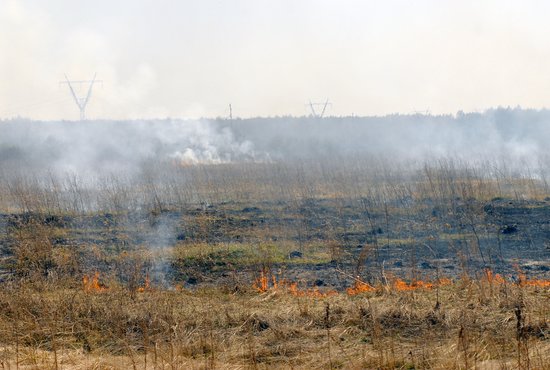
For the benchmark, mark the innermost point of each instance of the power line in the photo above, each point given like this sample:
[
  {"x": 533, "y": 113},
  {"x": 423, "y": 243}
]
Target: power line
[{"x": 18, "y": 108}]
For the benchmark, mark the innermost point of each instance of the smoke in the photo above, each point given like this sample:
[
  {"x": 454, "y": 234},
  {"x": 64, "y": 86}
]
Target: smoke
[
  {"x": 137, "y": 160},
  {"x": 90, "y": 149},
  {"x": 159, "y": 241},
  {"x": 513, "y": 137}
]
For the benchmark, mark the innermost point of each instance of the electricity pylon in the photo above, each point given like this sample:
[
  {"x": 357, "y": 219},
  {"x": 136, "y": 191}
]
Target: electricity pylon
[
  {"x": 81, "y": 102},
  {"x": 314, "y": 112}
]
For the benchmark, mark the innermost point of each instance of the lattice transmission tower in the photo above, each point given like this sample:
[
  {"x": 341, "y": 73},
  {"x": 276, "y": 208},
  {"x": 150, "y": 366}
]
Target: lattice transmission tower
[
  {"x": 81, "y": 101},
  {"x": 314, "y": 112}
]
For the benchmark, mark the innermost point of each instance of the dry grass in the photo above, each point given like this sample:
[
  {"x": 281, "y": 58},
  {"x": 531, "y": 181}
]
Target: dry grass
[
  {"x": 475, "y": 325},
  {"x": 49, "y": 321}
]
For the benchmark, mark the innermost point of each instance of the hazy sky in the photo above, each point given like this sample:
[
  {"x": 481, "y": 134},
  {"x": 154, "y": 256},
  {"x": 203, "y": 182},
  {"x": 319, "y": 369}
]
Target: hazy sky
[{"x": 161, "y": 58}]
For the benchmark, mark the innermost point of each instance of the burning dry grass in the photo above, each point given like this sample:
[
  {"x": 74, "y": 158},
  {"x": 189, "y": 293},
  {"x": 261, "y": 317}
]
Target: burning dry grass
[
  {"x": 91, "y": 284},
  {"x": 267, "y": 282},
  {"x": 523, "y": 281},
  {"x": 360, "y": 287},
  {"x": 461, "y": 325},
  {"x": 397, "y": 285}
]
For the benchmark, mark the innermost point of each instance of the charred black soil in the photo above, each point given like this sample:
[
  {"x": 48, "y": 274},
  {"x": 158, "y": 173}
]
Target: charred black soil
[{"x": 317, "y": 242}]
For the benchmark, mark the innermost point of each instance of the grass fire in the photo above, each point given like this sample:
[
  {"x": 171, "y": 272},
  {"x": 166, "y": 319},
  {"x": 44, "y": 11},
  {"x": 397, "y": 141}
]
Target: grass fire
[
  {"x": 263, "y": 185},
  {"x": 227, "y": 265}
]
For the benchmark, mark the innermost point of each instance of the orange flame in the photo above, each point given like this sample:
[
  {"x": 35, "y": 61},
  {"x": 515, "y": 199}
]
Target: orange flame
[
  {"x": 523, "y": 281},
  {"x": 146, "y": 286},
  {"x": 401, "y": 285},
  {"x": 398, "y": 285},
  {"x": 493, "y": 278},
  {"x": 262, "y": 285},
  {"x": 360, "y": 287},
  {"x": 268, "y": 282},
  {"x": 93, "y": 284}
]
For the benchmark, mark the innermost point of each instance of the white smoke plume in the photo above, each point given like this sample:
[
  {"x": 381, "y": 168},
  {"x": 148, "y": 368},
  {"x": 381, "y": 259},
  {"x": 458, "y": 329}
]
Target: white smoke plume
[
  {"x": 515, "y": 137},
  {"x": 114, "y": 147}
]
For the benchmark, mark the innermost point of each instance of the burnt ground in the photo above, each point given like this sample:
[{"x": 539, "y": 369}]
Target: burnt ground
[{"x": 319, "y": 242}]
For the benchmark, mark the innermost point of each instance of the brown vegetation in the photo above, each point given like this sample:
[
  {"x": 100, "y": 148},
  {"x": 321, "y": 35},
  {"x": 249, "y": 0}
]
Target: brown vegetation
[
  {"x": 474, "y": 326},
  {"x": 267, "y": 266}
]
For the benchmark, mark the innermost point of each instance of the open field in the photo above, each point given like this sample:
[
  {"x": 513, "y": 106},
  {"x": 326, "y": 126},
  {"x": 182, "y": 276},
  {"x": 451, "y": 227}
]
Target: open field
[
  {"x": 267, "y": 251},
  {"x": 248, "y": 185},
  {"x": 231, "y": 266}
]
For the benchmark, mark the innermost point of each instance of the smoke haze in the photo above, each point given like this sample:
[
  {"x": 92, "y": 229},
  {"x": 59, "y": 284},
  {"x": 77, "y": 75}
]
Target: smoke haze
[
  {"x": 89, "y": 149},
  {"x": 104, "y": 147}
]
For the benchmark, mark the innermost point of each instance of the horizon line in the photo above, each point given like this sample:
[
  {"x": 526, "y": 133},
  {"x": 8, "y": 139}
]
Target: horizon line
[{"x": 426, "y": 113}]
